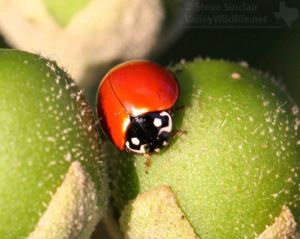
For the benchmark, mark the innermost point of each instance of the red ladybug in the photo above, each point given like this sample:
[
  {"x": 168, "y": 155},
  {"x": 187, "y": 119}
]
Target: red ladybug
[{"x": 134, "y": 105}]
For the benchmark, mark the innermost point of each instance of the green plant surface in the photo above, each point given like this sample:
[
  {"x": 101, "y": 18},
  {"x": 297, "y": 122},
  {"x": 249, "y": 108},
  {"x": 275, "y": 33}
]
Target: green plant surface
[
  {"x": 64, "y": 10},
  {"x": 45, "y": 126},
  {"x": 237, "y": 165}
]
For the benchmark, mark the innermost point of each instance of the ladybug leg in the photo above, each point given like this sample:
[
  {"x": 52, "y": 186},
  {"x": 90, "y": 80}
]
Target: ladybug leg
[
  {"x": 177, "y": 70},
  {"x": 147, "y": 162},
  {"x": 180, "y": 108},
  {"x": 178, "y": 132}
]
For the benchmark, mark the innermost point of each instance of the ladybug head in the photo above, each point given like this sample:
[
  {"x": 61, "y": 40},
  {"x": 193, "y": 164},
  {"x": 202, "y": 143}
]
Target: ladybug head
[{"x": 149, "y": 132}]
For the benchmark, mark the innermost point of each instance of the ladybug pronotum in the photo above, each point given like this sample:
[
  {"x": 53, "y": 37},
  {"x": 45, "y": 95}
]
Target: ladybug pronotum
[{"x": 134, "y": 105}]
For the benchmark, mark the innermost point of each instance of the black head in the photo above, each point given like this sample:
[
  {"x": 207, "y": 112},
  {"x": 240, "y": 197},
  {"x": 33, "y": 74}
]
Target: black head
[{"x": 149, "y": 132}]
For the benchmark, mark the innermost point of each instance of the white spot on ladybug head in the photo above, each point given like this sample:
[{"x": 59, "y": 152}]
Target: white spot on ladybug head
[
  {"x": 165, "y": 143},
  {"x": 157, "y": 150},
  {"x": 157, "y": 122},
  {"x": 168, "y": 128},
  {"x": 135, "y": 141},
  {"x": 142, "y": 150}
]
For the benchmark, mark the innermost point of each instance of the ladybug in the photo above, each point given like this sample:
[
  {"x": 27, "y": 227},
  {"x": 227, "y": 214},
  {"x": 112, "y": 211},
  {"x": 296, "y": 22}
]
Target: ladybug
[{"x": 134, "y": 106}]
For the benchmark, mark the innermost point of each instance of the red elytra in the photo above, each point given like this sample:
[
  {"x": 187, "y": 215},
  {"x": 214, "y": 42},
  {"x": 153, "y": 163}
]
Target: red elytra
[{"x": 131, "y": 89}]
